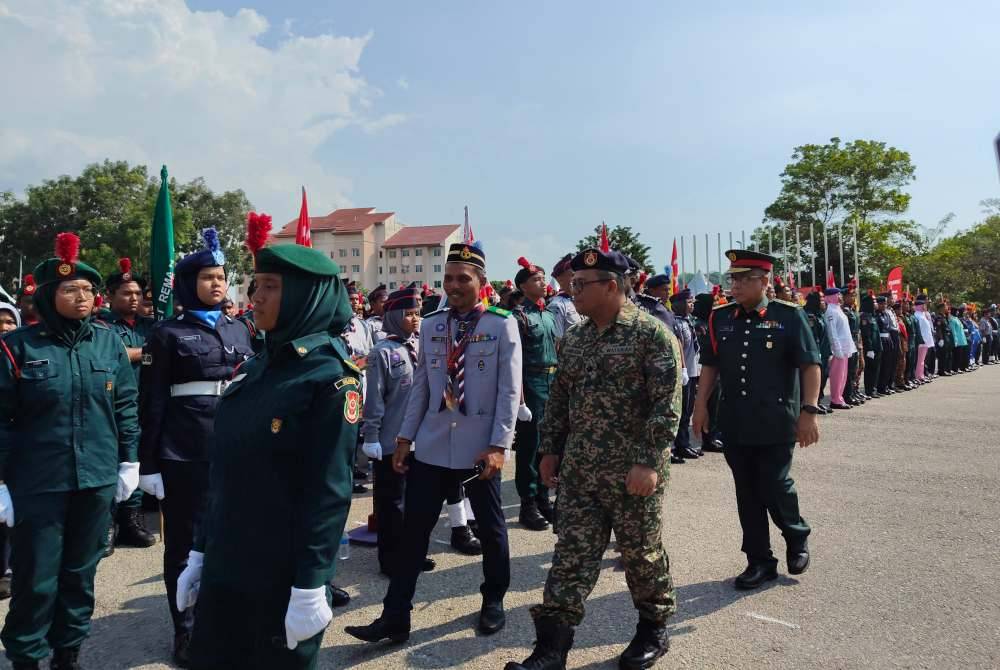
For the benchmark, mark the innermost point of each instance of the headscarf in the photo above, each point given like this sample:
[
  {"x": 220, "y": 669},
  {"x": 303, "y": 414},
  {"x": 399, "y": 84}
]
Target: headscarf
[
  {"x": 7, "y": 307},
  {"x": 309, "y": 304},
  {"x": 187, "y": 269},
  {"x": 67, "y": 331}
]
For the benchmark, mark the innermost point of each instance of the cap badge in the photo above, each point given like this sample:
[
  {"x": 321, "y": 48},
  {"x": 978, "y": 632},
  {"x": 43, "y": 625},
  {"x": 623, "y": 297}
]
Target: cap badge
[
  {"x": 466, "y": 254},
  {"x": 590, "y": 258},
  {"x": 731, "y": 256},
  {"x": 64, "y": 270},
  {"x": 276, "y": 426}
]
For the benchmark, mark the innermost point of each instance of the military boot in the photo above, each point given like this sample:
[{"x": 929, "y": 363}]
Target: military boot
[
  {"x": 530, "y": 517},
  {"x": 649, "y": 644},
  {"x": 112, "y": 534},
  {"x": 66, "y": 659},
  {"x": 551, "y": 648},
  {"x": 545, "y": 507},
  {"x": 131, "y": 531},
  {"x": 25, "y": 665},
  {"x": 463, "y": 541}
]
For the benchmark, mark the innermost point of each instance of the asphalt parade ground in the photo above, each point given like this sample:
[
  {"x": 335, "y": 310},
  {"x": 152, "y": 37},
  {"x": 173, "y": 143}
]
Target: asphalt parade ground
[{"x": 903, "y": 495}]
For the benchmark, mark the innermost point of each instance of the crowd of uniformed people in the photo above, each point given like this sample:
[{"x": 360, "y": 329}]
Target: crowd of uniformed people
[{"x": 104, "y": 410}]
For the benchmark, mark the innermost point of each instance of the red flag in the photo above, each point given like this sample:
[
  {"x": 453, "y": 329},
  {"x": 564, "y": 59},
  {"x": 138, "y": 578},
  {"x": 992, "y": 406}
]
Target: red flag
[
  {"x": 605, "y": 245},
  {"x": 791, "y": 280},
  {"x": 303, "y": 235},
  {"x": 831, "y": 282},
  {"x": 673, "y": 269},
  {"x": 467, "y": 236}
]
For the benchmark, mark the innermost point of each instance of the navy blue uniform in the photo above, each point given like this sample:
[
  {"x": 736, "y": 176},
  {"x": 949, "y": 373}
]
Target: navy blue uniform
[{"x": 178, "y": 426}]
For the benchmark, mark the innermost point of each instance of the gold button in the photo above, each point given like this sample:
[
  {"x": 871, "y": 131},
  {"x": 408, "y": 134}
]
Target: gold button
[{"x": 301, "y": 350}]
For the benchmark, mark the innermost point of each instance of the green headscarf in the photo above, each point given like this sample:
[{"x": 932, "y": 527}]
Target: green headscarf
[{"x": 67, "y": 331}]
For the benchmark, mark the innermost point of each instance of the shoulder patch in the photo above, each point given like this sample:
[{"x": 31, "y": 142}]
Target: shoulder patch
[
  {"x": 352, "y": 407},
  {"x": 499, "y": 311},
  {"x": 345, "y": 381}
]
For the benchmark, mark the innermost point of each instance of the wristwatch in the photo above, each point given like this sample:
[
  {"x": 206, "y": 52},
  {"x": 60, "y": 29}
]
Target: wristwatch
[{"x": 811, "y": 409}]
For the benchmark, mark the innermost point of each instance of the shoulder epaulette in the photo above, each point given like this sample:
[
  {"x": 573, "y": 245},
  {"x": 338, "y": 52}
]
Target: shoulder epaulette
[
  {"x": 499, "y": 311},
  {"x": 439, "y": 310},
  {"x": 787, "y": 303},
  {"x": 728, "y": 304}
]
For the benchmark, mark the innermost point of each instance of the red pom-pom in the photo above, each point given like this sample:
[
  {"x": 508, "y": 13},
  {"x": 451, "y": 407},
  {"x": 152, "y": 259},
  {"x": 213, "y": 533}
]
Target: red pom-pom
[
  {"x": 509, "y": 283},
  {"x": 258, "y": 230},
  {"x": 716, "y": 290},
  {"x": 68, "y": 248},
  {"x": 643, "y": 277},
  {"x": 524, "y": 263},
  {"x": 125, "y": 265},
  {"x": 29, "y": 280},
  {"x": 540, "y": 303}
]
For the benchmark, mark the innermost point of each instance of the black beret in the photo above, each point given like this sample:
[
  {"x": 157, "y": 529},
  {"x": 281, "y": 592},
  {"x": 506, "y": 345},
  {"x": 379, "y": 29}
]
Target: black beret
[
  {"x": 595, "y": 259},
  {"x": 657, "y": 280}
]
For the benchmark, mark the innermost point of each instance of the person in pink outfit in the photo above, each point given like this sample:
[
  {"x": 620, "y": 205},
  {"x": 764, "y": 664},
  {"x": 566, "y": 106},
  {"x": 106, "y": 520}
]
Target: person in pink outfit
[{"x": 841, "y": 345}]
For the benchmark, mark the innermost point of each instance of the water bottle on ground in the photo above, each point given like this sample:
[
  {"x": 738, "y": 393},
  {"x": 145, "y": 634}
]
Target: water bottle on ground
[{"x": 345, "y": 547}]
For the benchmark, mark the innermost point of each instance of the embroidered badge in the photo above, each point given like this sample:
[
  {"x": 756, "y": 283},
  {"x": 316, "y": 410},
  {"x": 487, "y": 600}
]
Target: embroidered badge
[
  {"x": 147, "y": 359},
  {"x": 438, "y": 338},
  {"x": 189, "y": 338},
  {"x": 35, "y": 364},
  {"x": 482, "y": 365},
  {"x": 435, "y": 363},
  {"x": 352, "y": 406},
  {"x": 345, "y": 381},
  {"x": 276, "y": 426},
  {"x": 590, "y": 258},
  {"x": 440, "y": 327},
  {"x": 108, "y": 386},
  {"x": 65, "y": 270},
  {"x": 466, "y": 254},
  {"x": 769, "y": 344},
  {"x": 618, "y": 349}
]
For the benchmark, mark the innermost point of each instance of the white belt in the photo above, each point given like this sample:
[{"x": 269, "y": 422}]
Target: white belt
[
  {"x": 885, "y": 335},
  {"x": 198, "y": 388}
]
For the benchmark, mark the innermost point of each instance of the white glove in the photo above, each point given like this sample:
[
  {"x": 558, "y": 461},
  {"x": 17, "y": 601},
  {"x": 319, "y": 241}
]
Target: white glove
[
  {"x": 6, "y": 507},
  {"x": 372, "y": 450},
  {"x": 684, "y": 377},
  {"x": 940, "y": 343},
  {"x": 523, "y": 413},
  {"x": 153, "y": 485},
  {"x": 128, "y": 480},
  {"x": 308, "y": 613},
  {"x": 189, "y": 581},
  {"x": 870, "y": 354}
]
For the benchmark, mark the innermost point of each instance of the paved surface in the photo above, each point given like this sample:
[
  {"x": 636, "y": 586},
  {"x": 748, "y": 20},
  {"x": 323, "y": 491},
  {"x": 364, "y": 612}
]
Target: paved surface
[{"x": 903, "y": 497}]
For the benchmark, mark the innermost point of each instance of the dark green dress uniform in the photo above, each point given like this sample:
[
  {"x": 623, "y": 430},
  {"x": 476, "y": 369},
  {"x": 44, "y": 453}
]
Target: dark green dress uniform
[
  {"x": 817, "y": 324},
  {"x": 537, "y": 327},
  {"x": 68, "y": 417},
  {"x": 851, "y": 386},
  {"x": 871, "y": 342},
  {"x": 286, "y": 430},
  {"x": 257, "y": 336},
  {"x": 758, "y": 355}
]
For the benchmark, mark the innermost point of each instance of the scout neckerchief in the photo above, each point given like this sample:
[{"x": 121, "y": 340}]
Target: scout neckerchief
[
  {"x": 454, "y": 390},
  {"x": 409, "y": 344}
]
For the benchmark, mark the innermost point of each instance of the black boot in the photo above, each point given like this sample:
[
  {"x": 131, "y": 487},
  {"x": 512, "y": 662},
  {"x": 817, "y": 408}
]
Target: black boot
[
  {"x": 530, "y": 518},
  {"x": 755, "y": 575},
  {"x": 545, "y": 507},
  {"x": 552, "y": 645},
  {"x": 112, "y": 534},
  {"x": 131, "y": 531},
  {"x": 649, "y": 644},
  {"x": 381, "y": 629},
  {"x": 464, "y": 542},
  {"x": 339, "y": 597},
  {"x": 182, "y": 657},
  {"x": 25, "y": 665},
  {"x": 66, "y": 659}
]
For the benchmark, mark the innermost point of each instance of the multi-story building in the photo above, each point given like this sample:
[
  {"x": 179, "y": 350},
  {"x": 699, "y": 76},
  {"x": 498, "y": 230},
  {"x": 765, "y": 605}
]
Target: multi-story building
[{"x": 417, "y": 254}]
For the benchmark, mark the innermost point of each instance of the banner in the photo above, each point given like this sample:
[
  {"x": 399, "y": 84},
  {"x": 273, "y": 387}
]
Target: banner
[
  {"x": 161, "y": 252},
  {"x": 894, "y": 282}
]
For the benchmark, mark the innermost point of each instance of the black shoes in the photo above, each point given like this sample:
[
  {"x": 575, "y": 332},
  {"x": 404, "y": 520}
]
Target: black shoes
[
  {"x": 182, "y": 655},
  {"x": 339, "y": 597},
  {"x": 545, "y": 507},
  {"x": 676, "y": 459},
  {"x": 428, "y": 564},
  {"x": 381, "y": 629},
  {"x": 464, "y": 542},
  {"x": 649, "y": 644},
  {"x": 66, "y": 659},
  {"x": 131, "y": 530},
  {"x": 711, "y": 444},
  {"x": 530, "y": 517},
  {"x": 798, "y": 559},
  {"x": 837, "y": 405},
  {"x": 112, "y": 535},
  {"x": 755, "y": 575},
  {"x": 552, "y": 644},
  {"x": 491, "y": 618}
]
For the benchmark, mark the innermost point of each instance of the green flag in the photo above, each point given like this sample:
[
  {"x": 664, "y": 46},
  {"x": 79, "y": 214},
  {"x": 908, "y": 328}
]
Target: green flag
[{"x": 161, "y": 262}]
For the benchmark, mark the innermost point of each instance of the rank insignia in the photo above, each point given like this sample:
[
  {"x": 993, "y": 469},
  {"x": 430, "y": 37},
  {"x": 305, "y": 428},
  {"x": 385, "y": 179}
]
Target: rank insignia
[
  {"x": 590, "y": 258},
  {"x": 147, "y": 359},
  {"x": 108, "y": 386},
  {"x": 276, "y": 426},
  {"x": 352, "y": 406},
  {"x": 345, "y": 381},
  {"x": 439, "y": 328}
]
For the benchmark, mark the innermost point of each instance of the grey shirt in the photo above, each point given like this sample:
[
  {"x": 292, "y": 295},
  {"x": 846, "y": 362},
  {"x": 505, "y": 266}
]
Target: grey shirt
[
  {"x": 564, "y": 311},
  {"x": 389, "y": 378}
]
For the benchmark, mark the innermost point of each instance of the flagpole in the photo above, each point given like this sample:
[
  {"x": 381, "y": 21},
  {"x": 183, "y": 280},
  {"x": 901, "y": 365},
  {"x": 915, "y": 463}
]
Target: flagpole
[
  {"x": 718, "y": 248},
  {"x": 708, "y": 266},
  {"x": 826, "y": 253},
  {"x": 694, "y": 254},
  {"x": 798, "y": 257},
  {"x": 857, "y": 273},
  {"x": 682, "y": 254},
  {"x": 784, "y": 251},
  {"x": 743, "y": 239},
  {"x": 840, "y": 238},
  {"x": 812, "y": 251}
]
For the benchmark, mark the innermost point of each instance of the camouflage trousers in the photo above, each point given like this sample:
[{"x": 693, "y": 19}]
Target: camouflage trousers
[{"x": 584, "y": 524}]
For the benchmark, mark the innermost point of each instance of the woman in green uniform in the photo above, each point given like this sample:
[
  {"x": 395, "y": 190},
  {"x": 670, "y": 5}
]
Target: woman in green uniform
[
  {"x": 68, "y": 440},
  {"x": 285, "y": 430}
]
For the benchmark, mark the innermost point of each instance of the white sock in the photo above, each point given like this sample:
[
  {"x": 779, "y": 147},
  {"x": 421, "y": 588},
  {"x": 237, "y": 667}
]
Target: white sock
[
  {"x": 468, "y": 510},
  {"x": 456, "y": 515}
]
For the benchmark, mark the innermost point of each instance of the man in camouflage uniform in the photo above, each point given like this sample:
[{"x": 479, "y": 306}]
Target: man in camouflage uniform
[{"x": 612, "y": 414}]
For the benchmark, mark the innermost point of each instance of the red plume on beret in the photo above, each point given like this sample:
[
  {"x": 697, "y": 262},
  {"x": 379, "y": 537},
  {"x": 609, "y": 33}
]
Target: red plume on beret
[
  {"x": 643, "y": 277},
  {"x": 125, "y": 265},
  {"x": 258, "y": 230},
  {"x": 525, "y": 263},
  {"x": 68, "y": 248},
  {"x": 509, "y": 283},
  {"x": 98, "y": 300},
  {"x": 29, "y": 280},
  {"x": 716, "y": 290}
]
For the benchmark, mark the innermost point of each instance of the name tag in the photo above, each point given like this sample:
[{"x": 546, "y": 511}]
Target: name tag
[
  {"x": 189, "y": 338},
  {"x": 36, "y": 364},
  {"x": 482, "y": 338},
  {"x": 438, "y": 338},
  {"x": 618, "y": 349},
  {"x": 435, "y": 363}
]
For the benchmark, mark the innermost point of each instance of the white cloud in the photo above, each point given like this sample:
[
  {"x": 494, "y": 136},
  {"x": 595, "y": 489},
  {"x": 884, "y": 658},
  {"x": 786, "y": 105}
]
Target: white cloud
[{"x": 152, "y": 81}]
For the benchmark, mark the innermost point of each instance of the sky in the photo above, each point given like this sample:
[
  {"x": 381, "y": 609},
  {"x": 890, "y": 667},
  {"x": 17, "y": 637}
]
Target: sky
[{"x": 545, "y": 118}]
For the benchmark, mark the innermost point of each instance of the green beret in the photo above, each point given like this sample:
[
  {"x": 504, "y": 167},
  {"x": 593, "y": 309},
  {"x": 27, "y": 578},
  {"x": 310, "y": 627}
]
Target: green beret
[
  {"x": 283, "y": 258},
  {"x": 57, "y": 270}
]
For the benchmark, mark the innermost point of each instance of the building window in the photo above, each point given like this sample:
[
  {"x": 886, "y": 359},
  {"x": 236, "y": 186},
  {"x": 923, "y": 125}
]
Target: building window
[
  {"x": 331, "y": 254},
  {"x": 392, "y": 284},
  {"x": 392, "y": 269},
  {"x": 380, "y": 269},
  {"x": 437, "y": 268},
  {"x": 342, "y": 253},
  {"x": 380, "y": 253},
  {"x": 405, "y": 269},
  {"x": 437, "y": 283},
  {"x": 356, "y": 252},
  {"x": 418, "y": 252},
  {"x": 405, "y": 252},
  {"x": 437, "y": 251},
  {"x": 420, "y": 268},
  {"x": 355, "y": 268},
  {"x": 392, "y": 253}
]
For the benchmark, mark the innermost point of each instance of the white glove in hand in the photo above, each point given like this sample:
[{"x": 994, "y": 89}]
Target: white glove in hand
[
  {"x": 128, "y": 480},
  {"x": 189, "y": 581},
  {"x": 308, "y": 613},
  {"x": 153, "y": 485},
  {"x": 870, "y": 354},
  {"x": 523, "y": 413},
  {"x": 940, "y": 343},
  {"x": 372, "y": 450},
  {"x": 684, "y": 377},
  {"x": 6, "y": 507}
]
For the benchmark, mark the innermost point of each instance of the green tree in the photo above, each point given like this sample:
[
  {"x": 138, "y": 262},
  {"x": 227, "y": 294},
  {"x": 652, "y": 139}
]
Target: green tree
[
  {"x": 962, "y": 267},
  {"x": 624, "y": 240}
]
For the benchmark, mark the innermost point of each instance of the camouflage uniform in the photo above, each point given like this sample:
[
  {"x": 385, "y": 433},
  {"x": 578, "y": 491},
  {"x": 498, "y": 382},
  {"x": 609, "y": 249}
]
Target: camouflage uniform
[{"x": 615, "y": 402}]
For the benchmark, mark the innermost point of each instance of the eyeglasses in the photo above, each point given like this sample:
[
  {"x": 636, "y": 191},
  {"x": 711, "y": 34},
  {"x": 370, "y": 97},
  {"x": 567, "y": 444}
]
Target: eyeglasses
[
  {"x": 743, "y": 277},
  {"x": 578, "y": 285},
  {"x": 73, "y": 291}
]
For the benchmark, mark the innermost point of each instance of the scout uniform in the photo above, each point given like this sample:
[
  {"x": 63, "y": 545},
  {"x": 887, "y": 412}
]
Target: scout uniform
[
  {"x": 758, "y": 354},
  {"x": 68, "y": 437},
  {"x": 464, "y": 399},
  {"x": 817, "y": 325},
  {"x": 186, "y": 363},
  {"x": 374, "y": 322},
  {"x": 852, "y": 395},
  {"x": 615, "y": 403},
  {"x": 285, "y": 434},
  {"x": 537, "y": 327}
]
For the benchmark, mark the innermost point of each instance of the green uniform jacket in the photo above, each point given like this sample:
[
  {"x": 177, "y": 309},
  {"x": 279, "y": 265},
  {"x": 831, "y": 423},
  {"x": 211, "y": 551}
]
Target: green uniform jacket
[
  {"x": 133, "y": 334},
  {"x": 68, "y": 416},
  {"x": 869, "y": 333},
  {"x": 818, "y": 326},
  {"x": 285, "y": 432},
  {"x": 758, "y": 356},
  {"x": 538, "y": 352},
  {"x": 854, "y": 322},
  {"x": 615, "y": 401}
]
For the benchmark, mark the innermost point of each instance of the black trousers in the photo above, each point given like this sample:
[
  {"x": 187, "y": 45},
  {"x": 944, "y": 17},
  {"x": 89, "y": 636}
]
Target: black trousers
[
  {"x": 887, "y": 366},
  {"x": 929, "y": 360},
  {"x": 427, "y": 486},
  {"x": 387, "y": 501},
  {"x": 184, "y": 505},
  {"x": 683, "y": 438},
  {"x": 961, "y": 358},
  {"x": 872, "y": 370},
  {"x": 851, "y": 384},
  {"x": 763, "y": 486}
]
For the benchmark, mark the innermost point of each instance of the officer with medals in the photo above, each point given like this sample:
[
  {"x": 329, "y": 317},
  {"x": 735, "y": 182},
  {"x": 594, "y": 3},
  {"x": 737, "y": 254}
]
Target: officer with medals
[
  {"x": 186, "y": 364},
  {"x": 537, "y": 327},
  {"x": 125, "y": 291},
  {"x": 561, "y": 304},
  {"x": 460, "y": 415},
  {"x": 763, "y": 354},
  {"x": 610, "y": 445},
  {"x": 68, "y": 439}
]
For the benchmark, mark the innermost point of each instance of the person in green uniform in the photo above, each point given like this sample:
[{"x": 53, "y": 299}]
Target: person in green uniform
[
  {"x": 285, "y": 431},
  {"x": 537, "y": 327},
  {"x": 68, "y": 448},
  {"x": 852, "y": 394},
  {"x": 247, "y": 319},
  {"x": 125, "y": 295},
  {"x": 871, "y": 342},
  {"x": 817, "y": 324},
  {"x": 764, "y": 355}
]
